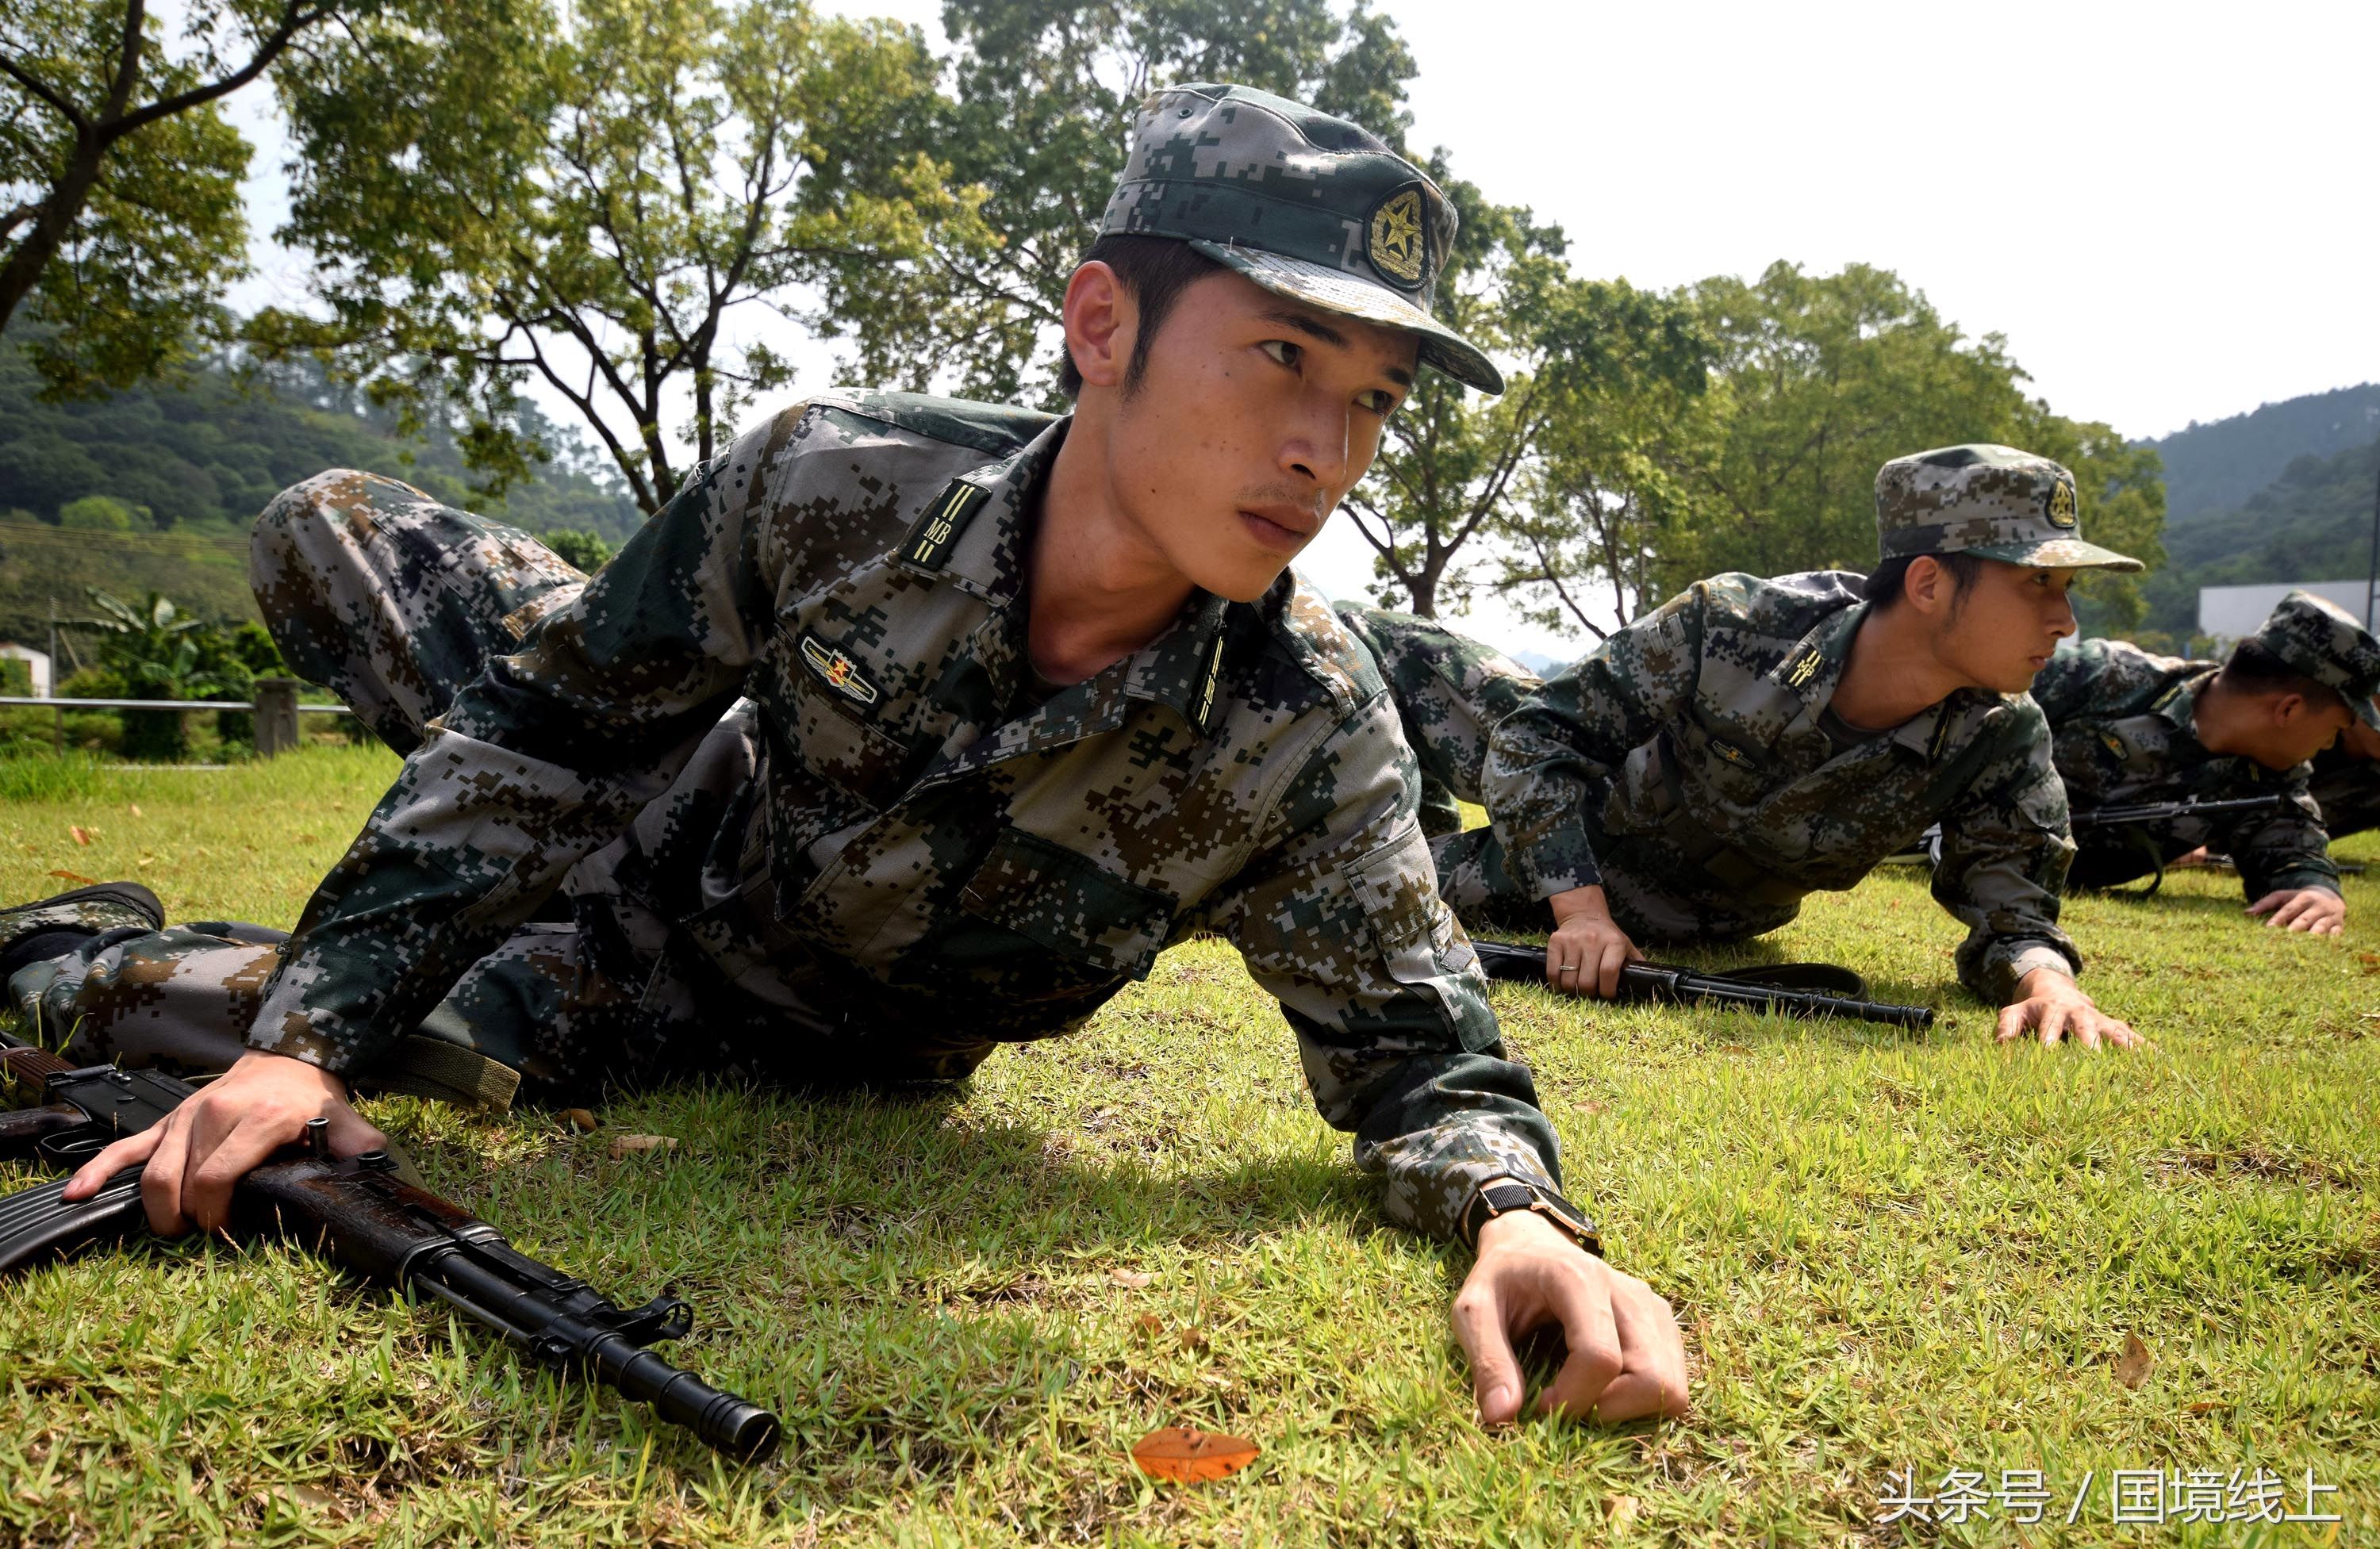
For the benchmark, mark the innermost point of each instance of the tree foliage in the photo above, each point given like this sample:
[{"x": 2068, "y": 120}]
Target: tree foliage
[
  {"x": 501, "y": 191},
  {"x": 120, "y": 218},
  {"x": 1814, "y": 381},
  {"x": 1041, "y": 101}
]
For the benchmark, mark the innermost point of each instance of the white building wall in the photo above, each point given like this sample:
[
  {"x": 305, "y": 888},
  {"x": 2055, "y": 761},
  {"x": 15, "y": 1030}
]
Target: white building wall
[{"x": 39, "y": 660}]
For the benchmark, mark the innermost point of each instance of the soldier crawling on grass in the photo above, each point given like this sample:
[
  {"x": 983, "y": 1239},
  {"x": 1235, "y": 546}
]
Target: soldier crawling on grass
[
  {"x": 909, "y": 727},
  {"x": 1754, "y": 741},
  {"x": 2131, "y": 727}
]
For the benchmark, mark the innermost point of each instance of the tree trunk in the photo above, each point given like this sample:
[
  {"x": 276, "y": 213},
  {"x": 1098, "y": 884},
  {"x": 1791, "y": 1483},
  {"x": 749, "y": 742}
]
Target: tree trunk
[{"x": 58, "y": 211}]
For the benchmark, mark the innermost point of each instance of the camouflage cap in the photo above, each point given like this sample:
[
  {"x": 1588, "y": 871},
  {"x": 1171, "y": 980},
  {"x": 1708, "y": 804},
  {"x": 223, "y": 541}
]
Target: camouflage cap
[
  {"x": 2321, "y": 640},
  {"x": 1310, "y": 207},
  {"x": 1993, "y": 501}
]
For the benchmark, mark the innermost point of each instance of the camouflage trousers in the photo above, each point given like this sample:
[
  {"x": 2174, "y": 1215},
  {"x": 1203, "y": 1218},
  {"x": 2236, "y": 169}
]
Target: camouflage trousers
[
  {"x": 1450, "y": 692},
  {"x": 394, "y": 602}
]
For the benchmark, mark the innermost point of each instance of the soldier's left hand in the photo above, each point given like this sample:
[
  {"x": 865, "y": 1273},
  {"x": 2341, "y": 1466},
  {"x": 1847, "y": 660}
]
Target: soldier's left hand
[
  {"x": 2055, "y": 1006},
  {"x": 2318, "y": 910},
  {"x": 1627, "y": 1359}
]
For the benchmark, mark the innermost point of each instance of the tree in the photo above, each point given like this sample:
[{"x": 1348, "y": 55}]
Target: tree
[
  {"x": 1461, "y": 477},
  {"x": 1611, "y": 484},
  {"x": 582, "y": 550},
  {"x": 1042, "y": 101},
  {"x": 1820, "y": 379},
  {"x": 498, "y": 193},
  {"x": 119, "y": 179},
  {"x": 157, "y": 653}
]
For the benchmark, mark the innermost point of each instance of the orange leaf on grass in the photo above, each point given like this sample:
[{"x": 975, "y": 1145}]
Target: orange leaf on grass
[
  {"x": 2132, "y": 1366},
  {"x": 81, "y": 834},
  {"x": 1189, "y": 1456},
  {"x": 76, "y": 876},
  {"x": 623, "y": 1144}
]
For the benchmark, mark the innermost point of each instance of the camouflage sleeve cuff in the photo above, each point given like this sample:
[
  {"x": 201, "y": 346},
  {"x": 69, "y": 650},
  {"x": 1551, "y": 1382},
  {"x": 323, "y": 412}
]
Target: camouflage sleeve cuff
[
  {"x": 1994, "y": 974},
  {"x": 2040, "y": 955},
  {"x": 2295, "y": 879},
  {"x": 1557, "y": 864}
]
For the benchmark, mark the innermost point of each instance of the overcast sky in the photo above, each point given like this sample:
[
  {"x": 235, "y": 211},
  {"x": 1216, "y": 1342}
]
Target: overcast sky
[{"x": 2169, "y": 210}]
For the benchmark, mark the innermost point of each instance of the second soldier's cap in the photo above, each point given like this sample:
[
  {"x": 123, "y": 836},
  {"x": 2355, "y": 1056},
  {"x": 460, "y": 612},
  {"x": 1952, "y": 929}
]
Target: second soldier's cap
[
  {"x": 1308, "y": 206},
  {"x": 2321, "y": 640},
  {"x": 1993, "y": 501}
]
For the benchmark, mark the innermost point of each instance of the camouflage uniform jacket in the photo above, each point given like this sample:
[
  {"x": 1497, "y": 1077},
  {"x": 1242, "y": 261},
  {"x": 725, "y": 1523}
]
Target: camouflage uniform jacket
[
  {"x": 2123, "y": 721},
  {"x": 2348, "y": 790},
  {"x": 1684, "y": 763},
  {"x": 924, "y": 845}
]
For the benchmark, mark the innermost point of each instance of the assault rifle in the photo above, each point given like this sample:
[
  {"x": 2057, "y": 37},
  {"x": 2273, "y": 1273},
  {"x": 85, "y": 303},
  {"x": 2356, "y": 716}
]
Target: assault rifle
[
  {"x": 369, "y": 1221},
  {"x": 2121, "y": 829},
  {"x": 1791, "y": 989},
  {"x": 2130, "y": 813}
]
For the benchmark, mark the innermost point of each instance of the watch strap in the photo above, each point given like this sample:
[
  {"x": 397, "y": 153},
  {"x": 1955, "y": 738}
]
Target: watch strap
[{"x": 1502, "y": 1196}]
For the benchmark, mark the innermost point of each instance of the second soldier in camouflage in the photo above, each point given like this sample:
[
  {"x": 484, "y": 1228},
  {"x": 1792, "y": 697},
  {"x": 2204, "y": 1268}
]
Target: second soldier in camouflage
[{"x": 1755, "y": 740}]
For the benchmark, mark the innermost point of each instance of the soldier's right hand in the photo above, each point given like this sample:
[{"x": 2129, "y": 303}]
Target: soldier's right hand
[
  {"x": 1587, "y": 948},
  {"x": 213, "y": 1138}
]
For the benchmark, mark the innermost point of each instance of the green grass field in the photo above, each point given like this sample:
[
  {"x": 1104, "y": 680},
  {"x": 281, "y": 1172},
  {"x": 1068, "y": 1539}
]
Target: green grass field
[{"x": 1888, "y": 1250}]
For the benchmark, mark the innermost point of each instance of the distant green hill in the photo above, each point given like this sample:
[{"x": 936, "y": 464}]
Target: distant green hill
[
  {"x": 2220, "y": 465},
  {"x": 194, "y": 462},
  {"x": 2314, "y": 523}
]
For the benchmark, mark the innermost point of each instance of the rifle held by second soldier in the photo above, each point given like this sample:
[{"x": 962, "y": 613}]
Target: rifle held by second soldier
[{"x": 1791, "y": 990}]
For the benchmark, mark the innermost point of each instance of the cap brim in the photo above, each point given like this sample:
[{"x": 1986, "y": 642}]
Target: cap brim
[
  {"x": 1335, "y": 290},
  {"x": 2058, "y": 553},
  {"x": 2365, "y": 710}
]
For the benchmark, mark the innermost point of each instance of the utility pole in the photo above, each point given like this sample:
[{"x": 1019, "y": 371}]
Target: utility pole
[{"x": 2372, "y": 589}]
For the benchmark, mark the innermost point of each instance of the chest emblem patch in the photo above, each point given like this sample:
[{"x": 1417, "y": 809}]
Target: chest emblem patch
[{"x": 834, "y": 667}]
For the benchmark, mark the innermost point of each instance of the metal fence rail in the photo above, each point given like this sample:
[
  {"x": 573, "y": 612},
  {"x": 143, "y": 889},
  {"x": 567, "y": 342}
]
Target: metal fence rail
[
  {"x": 20, "y": 702},
  {"x": 276, "y": 708}
]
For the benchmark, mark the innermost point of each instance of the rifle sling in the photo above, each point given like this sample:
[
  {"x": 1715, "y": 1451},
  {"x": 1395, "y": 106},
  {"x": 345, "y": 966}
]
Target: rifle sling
[{"x": 426, "y": 1067}]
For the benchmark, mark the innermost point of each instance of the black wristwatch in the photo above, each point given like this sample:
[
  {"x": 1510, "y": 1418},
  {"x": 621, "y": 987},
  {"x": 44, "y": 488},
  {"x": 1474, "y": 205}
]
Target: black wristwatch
[{"x": 1503, "y": 1195}]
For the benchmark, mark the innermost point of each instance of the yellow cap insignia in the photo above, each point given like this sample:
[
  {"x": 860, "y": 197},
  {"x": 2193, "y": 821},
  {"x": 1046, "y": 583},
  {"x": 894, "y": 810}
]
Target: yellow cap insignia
[
  {"x": 2061, "y": 504},
  {"x": 836, "y": 669},
  {"x": 1396, "y": 247}
]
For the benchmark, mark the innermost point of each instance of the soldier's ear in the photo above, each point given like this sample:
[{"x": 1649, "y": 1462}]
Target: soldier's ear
[
  {"x": 1928, "y": 586},
  {"x": 1102, "y": 321}
]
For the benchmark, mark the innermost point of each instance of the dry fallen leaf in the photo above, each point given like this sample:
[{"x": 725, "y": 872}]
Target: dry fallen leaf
[
  {"x": 2208, "y": 1405},
  {"x": 623, "y": 1144},
  {"x": 1188, "y": 1456},
  {"x": 1619, "y": 1510},
  {"x": 1194, "y": 1338},
  {"x": 81, "y": 834},
  {"x": 76, "y": 876},
  {"x": 579, "y": 1119},
  {"x": 2133, "y": 1367},
  {"x": 311, "y": 1495},
  {"x": 1130, "y": 1279},
  {"x": 134, "y": 807},
  {"x": 305, "y": 839},
  {"x": 1150, "y": 1324}
]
